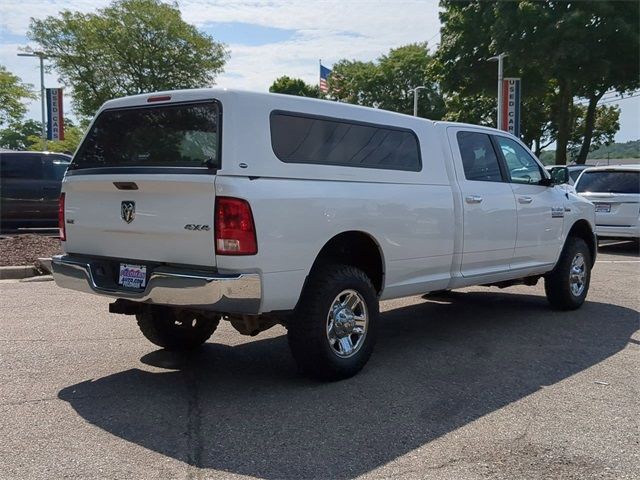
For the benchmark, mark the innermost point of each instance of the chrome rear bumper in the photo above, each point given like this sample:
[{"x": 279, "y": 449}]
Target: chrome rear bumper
[{"x": 224, "y": 293}]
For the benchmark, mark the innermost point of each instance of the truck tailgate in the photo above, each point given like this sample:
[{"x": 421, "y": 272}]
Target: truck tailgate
[{"x": 164, "y": 218}]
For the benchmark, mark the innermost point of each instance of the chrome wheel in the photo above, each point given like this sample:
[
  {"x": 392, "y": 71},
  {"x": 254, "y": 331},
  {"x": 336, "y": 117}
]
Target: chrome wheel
[
  {"x": 347, "y": 323},
  {"x": 577, "y": 275}
]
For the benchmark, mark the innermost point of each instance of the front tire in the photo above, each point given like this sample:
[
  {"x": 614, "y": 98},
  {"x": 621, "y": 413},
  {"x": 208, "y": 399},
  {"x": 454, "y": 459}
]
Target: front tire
[
  {"x": 567, "y": 284},
  {"x": 334, "y": 327},
  {"x": 175, "y": 329}
]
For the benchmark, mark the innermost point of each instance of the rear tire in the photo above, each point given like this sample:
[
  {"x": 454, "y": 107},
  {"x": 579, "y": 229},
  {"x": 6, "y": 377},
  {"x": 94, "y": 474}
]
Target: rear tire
[
  {"x": 567, "y": 284},
  {"x": 334, "y": 327},
  {"x": 175, "y": 329}
]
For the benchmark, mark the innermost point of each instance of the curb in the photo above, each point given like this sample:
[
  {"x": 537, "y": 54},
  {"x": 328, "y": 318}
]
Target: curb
[
  {"x": 39, "y": 278},
  {"x": 44, "y": 265},
  {"x": 41, "y": 267},
  {"x": 17, "y": 273}
]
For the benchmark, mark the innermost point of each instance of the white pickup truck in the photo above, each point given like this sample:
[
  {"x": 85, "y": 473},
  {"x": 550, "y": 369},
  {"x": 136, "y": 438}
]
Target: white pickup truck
[{"x": 188, "y": 207}]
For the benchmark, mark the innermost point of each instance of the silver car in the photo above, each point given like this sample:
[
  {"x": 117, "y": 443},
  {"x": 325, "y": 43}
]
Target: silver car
[{"x": 615, "y": 192}]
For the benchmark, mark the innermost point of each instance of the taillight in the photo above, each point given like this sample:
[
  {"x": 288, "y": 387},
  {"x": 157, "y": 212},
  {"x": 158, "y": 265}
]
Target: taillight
[
  {"x": 63, "y": 233},
  {"x": 235, "y": 232}
]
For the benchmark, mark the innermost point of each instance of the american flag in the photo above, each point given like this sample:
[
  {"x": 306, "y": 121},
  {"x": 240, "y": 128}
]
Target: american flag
[{"x": 324, "y": 75}]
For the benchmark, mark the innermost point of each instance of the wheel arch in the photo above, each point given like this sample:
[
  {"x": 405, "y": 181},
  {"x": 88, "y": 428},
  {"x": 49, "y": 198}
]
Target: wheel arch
[
  {"x": 356, "y": 248},
  {"x": 582, "y": 229}
]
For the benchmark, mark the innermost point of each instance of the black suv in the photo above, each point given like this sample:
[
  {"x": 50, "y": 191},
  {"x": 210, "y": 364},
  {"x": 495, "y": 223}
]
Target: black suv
[{"x": 29, "y": 188}]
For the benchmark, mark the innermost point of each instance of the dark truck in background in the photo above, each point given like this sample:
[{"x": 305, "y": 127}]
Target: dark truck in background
[{"x": 30, "y": 188}]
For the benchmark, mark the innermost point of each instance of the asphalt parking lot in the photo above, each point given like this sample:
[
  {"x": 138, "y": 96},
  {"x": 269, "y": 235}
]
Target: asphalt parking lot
[{"x": 482, "y": 383}]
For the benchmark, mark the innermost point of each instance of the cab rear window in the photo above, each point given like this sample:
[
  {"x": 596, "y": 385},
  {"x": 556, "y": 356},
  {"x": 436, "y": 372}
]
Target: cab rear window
[
  {"x": 178, "y": 135},
  {"x": 610, "y": 181}
]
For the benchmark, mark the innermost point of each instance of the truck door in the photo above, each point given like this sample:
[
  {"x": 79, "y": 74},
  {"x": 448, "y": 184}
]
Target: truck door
[
  {"x": 540, "y": 208},
  {"x": 489, "y": 209}
]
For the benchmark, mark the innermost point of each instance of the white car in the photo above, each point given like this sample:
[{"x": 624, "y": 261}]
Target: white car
[
  {"x": 615, "y": 192},
  {"x": 574, "y": 173},
  {"x": 191, "y": 207}
]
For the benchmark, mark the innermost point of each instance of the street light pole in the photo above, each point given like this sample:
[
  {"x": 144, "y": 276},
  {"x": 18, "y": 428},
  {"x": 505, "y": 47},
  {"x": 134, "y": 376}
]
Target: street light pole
[
  {"x": 415, "y": 99},
  {"x": 41, "y": 56},
  {"x": 500, "y": 59}
]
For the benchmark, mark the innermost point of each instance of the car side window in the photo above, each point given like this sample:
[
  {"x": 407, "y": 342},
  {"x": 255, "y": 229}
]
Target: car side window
[
  {"x": 521, "y": 166},
  {"x": 479, "y": 159},
  {"x": 24, "y": 167},
  {"x": 55, "y": 168}
]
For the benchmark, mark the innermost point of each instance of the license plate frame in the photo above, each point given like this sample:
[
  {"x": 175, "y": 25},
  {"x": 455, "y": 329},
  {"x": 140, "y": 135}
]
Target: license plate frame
[
  {"x": 603, "y": 208},
  {"x": 132, "y": 276}
]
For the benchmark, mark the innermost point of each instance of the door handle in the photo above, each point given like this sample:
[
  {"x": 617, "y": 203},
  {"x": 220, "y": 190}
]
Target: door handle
[
  {"x": 473, "y": 199},
  {"x": 525, "y": 200}
]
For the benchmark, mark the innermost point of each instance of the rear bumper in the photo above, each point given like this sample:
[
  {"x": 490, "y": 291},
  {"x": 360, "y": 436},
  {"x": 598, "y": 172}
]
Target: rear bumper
[
  {"x": 611, "y": 231},
  {"x": 224, "y": 293}
]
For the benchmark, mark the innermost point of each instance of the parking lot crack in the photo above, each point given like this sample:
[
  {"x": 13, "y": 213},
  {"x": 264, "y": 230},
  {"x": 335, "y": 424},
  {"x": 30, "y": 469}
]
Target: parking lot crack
[
  {"x": 26, "y": 401},
  {"x": 194, "y": 425}
]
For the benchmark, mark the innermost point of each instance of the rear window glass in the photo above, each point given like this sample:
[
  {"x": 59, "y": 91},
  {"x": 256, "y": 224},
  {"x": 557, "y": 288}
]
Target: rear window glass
[
  {"x": 21, "y": 166},
  {"x": 297, "y": 138},
  {"x": 609, "y": 181},
  {"x": 55, "y": 168},
  {"x": 184, "y": 135}
]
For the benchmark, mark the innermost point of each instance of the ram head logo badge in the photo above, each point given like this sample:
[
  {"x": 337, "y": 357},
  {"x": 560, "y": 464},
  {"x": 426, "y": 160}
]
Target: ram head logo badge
[{"x": 128, "y": 211}]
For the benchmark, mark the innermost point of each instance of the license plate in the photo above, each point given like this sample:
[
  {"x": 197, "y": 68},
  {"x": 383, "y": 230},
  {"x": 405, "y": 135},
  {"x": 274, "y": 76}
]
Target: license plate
[
  {"x": 603, "y": 207},
  {"x": 132, "y": 276}
]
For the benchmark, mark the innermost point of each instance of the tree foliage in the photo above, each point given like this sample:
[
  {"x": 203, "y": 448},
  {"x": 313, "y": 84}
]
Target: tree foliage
[
  {"x": 561, "y": 50},
  {"x": 129, "y": 47},
  {"x": 617, "y": 150},
  {"x": 294, "y": 86},
  {"x": 72, "y": 137},
  {"x": 26, "y": 135},
  {"x": 388, "y": 82},
  {"x": 16, "y": 135},
  {"x": 606, "y": 124},
  {"x": 13, "y": 93}
]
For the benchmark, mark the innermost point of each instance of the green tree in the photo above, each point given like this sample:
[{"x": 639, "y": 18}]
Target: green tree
[
  {"x": 617, "y": 150},
  {"x": 72, "y": 137},
  {"x": 468, "y": 80},
  {"x": 13, "y": 93},
  {"x": 560, "y": 49},
  {"x": 294, "y": 86},
  {"x": 587, "y": 47},
  {"x": 388, "y": 82},
  {"x": 356, "y": 82},
  {"x": 16, "y": 135},
  {"x": 605, "y": 125},
  {"x": 129, "y": 47}
]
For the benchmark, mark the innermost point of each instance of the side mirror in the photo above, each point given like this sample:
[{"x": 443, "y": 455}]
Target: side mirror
[{"x": 559, "y": 175}]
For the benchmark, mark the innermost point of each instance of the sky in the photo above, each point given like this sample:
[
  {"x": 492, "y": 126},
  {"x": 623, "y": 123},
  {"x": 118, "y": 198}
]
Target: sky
[{"x": 271, "y": 38}]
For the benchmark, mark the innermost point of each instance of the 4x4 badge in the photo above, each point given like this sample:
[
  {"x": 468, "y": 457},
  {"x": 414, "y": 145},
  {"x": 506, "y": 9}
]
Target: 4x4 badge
[{"x": 128, "y": 211}]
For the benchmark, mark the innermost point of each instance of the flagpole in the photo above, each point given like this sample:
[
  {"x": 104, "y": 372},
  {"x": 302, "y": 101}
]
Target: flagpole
[{"x": 319, "y": 76}]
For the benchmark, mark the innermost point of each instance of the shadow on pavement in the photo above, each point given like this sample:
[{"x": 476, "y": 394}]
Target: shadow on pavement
[{"x": 438, "y": 366}]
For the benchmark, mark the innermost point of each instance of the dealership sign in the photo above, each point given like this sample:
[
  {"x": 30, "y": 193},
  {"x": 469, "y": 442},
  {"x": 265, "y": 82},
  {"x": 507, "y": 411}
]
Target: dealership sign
[
  {"x": 55, "y": 125},
  {"x": 511, "y": 106}
]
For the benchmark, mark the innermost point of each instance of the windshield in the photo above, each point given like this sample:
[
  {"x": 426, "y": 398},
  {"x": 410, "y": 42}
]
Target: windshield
[
  {"x": 184, "y": 135},
  {"x": 609, "y": 181}
]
